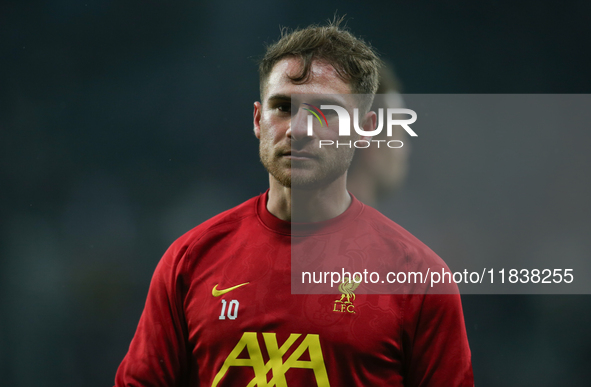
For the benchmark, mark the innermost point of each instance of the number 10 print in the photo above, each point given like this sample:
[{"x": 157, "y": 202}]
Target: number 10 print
[{"x": 232, "y": 310}]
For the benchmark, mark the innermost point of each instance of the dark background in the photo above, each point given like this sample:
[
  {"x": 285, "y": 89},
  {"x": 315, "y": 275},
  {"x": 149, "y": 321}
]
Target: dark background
[{"x": 125, "y": 123}]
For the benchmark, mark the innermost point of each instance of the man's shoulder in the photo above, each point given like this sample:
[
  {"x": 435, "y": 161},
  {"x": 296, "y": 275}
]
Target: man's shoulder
[
  {"x": 386, "y": 227},
  {"x": 221, "y": 223},
  {"x": 391, "y": 232}
]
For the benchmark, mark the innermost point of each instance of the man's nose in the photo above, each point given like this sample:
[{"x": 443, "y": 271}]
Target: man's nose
[{"x": 299, "y": 125}]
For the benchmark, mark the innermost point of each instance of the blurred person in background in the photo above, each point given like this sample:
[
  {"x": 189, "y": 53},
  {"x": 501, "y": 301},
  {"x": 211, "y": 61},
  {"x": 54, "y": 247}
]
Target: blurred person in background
[
  {"x": 220, "y": 311},
  {"x": 376, "y": 172}
]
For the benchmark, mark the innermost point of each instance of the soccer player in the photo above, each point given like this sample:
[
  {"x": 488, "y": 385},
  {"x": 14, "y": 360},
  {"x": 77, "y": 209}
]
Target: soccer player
[{"x": 220, "y": 309}]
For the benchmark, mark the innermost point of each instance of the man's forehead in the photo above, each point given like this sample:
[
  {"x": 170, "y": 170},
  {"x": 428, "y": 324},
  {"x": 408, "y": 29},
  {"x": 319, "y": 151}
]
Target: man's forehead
[{"x": 323, "y": 78}]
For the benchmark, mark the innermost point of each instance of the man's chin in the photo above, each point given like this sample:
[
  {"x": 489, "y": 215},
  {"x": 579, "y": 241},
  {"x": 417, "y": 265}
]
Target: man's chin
[
  {"x": 308, "y": 182},
  {"x": 305, "y": 179}
]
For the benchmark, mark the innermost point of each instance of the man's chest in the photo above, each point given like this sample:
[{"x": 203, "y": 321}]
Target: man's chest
[{"x": 242, "y": 318}]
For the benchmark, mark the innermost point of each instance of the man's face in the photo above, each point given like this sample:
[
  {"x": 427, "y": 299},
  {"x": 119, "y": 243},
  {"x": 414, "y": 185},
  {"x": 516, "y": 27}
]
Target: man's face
[{"x": 288, "y": 153}]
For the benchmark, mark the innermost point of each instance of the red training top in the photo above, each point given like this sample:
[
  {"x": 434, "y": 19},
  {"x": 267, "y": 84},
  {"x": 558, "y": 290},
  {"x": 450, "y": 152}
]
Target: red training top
[{"x": 220, "y": 310}]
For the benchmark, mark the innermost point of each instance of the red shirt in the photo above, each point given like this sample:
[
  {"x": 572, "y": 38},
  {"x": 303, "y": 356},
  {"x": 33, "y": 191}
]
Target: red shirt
[{"x": 220, "y": 312}]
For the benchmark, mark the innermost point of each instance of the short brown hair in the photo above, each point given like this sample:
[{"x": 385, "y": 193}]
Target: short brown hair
[{"x": 354, "y": 60}]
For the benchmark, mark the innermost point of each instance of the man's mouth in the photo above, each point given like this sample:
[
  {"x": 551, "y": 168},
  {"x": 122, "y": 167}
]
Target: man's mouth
[{"x": 293, "y": 154}]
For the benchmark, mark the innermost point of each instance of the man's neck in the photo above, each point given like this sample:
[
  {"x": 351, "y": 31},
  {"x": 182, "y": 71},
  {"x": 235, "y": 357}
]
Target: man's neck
[{"x": 315, "y": 205}]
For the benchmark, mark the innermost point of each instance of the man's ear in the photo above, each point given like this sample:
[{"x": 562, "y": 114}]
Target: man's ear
[
  {"x": 369, "y": 124},
  {"x": 257, "y": 119}
]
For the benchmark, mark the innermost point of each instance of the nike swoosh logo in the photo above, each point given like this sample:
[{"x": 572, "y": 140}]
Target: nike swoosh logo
[{"x": 216, "y": 293}]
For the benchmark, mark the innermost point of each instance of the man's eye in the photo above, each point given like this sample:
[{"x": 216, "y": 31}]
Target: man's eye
[{"x": 284, "y": 108}]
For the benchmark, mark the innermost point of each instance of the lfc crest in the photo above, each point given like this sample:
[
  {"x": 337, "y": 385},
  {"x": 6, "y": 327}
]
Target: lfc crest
[{"x": 347, "y": 287}]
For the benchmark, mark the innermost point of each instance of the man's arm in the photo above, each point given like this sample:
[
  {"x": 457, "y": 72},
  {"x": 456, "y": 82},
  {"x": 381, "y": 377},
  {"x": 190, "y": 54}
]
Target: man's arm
[
  {"x": 436, "y": 346},
  {"x": 158, "y": 354}
]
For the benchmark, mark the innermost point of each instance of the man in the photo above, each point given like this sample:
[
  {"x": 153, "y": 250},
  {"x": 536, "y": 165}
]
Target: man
[{"x": 220, "y": 309}]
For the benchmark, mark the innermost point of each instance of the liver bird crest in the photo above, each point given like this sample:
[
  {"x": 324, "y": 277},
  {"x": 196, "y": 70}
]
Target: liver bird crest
[{"x": 347, "y": 287}]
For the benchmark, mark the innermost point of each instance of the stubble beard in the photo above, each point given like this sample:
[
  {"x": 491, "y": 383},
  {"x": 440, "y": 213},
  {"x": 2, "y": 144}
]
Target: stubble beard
[{"x": 312, "y": 174}]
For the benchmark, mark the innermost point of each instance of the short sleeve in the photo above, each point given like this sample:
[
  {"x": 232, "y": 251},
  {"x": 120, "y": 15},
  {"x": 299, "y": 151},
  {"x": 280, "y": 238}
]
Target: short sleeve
[{"x": 435, "y": 341}]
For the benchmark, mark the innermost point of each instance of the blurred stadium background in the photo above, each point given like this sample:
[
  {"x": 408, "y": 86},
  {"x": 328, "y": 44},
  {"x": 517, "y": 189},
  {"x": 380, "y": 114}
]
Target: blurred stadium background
[{"x": 108, "y": 118}]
